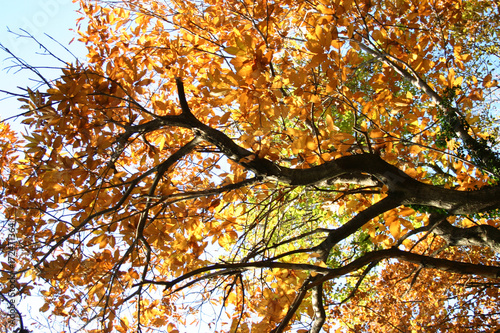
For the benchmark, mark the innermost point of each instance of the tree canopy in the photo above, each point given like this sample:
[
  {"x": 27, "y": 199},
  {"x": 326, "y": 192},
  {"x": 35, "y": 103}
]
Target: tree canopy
[{"x": 263, "y": 166}]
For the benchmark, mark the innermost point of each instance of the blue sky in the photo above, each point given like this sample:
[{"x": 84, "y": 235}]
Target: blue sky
[
  {"x": 39, "y": 18},
  {"x": 54, "y": 17}
]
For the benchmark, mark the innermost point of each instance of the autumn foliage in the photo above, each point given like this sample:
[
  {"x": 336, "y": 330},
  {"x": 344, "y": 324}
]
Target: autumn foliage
[{"x": 264, "y": 166}]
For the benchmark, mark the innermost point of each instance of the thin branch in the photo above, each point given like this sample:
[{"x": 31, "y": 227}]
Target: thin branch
[
  {"x": 12, "y": 306},
  {"x": 237, "y": 266}
]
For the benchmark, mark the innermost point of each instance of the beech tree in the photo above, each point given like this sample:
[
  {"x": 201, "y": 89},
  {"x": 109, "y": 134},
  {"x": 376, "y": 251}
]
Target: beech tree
[{"x": 264, "y": 166}]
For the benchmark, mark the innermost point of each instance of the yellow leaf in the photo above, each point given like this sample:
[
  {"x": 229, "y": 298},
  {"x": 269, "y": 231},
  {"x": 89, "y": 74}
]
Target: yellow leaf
[
  {"x": 44, "y": 307},
  {"x": 488, "y": 83},
  {"x": 451, "y": 77},
  {"x": 314, "y": 47},
  {"x": 458, "y": 81},
  {"x": 232, "y": 50},
  {"x": 337, "y": 44},
  {"x": 171, "y": 328},
  {"x": 394, "y": 228},
  {"x": 311, "y": 143},
  {"x": 248, "y": 159},
  {"x": 406, "y": 211},
  {"x": 224, "y": 118},
  {"x": 414, "y": 150},
  {"x": 330, "y": 125}
]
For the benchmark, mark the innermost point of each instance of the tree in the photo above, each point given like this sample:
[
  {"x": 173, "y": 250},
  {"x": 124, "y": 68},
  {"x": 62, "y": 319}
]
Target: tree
[{"x": 294, "y": 165}]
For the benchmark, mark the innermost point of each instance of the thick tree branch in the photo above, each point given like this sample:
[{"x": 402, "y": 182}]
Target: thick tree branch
[
  {"x": 354, "y": 224},
  {"x": 348, "y": 167},
  {"x": 319, "y": 309},
  {"x": 425, "y": 261},
  {"x": 480, "y": 235}
]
